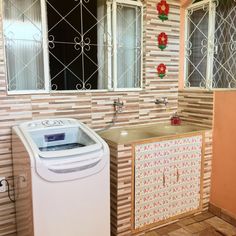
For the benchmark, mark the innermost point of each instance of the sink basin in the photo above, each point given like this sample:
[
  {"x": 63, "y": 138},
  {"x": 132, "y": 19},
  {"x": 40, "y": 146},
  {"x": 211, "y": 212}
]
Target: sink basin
[
  {"x": 127, "y": 135},
  {"x": 169, "y": 130},
  {"x": 142, "y": 132}
]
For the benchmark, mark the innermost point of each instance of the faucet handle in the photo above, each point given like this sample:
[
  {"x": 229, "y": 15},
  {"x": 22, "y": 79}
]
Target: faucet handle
[
  {"x": 163, "y": 100},
  {"x": 118, "y": 105}
]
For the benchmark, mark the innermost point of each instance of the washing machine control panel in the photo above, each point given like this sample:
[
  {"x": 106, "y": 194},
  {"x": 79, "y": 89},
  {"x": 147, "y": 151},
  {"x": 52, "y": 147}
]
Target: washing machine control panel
[{"x": 48, "y": 123}]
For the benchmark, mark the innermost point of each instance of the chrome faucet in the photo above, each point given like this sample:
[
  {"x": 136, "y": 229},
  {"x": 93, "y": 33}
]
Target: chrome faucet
[
  {"x": 118, "y": 105},
  {"x": 163, "y": 100}
]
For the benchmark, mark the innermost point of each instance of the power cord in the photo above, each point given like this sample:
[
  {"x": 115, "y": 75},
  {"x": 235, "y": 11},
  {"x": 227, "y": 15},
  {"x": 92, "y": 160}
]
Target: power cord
[{"x": 8, "y": 189}]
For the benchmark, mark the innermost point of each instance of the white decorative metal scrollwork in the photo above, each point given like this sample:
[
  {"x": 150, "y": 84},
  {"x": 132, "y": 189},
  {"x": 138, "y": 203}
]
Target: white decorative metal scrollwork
[
  {"x": 84, "y": 56},
  {"x": 224, "y": 60},
  {"x": 217, "y": 50},
  {"x": 82, "y": 45},
  {"x": 196, "y": 48}
]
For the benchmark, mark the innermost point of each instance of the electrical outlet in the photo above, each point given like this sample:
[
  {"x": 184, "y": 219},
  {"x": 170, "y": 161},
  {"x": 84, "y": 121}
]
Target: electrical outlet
[{"x": 2, "y": 185}]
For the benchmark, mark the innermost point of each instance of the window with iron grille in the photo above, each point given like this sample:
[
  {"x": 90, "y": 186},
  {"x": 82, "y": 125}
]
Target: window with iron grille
[
  {"x": 72, "y": 45},
  {"x": 210, "y": 47}
]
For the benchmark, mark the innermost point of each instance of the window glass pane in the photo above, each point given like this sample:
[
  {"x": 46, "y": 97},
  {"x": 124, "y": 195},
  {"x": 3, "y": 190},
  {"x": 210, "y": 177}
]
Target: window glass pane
[
  {"x": 77, "y": 44},
  {"x": 23, "y": 44},
  {"x": 196, "y": 47},
  {"x": 224, "y": 66},
  {"x": 128, "y": 46}
]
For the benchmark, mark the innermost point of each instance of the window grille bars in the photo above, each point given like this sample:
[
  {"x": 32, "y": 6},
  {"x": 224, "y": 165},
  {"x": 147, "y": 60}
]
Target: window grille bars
[
  {"x": 213, "y": 63},
  {"x": 35, "y": 67}
]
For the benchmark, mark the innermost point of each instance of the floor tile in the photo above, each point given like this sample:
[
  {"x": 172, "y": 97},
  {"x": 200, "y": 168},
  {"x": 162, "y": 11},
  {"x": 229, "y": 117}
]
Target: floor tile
[
  {"x": 200, "y": 225},
  {"x": 186, "y": 221},
  {"x": 153, "y": 233},
  {"x": 221, "y": 226},
  {"x": 167, "y": 229},
  {"x": 209, "y": 232},
  {"x": 180, "y": 232},
  {"x": 196, "y": 227}
]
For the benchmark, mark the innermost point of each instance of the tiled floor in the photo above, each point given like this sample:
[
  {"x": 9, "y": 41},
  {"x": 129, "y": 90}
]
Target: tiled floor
[{"x": 205, "y": 224}]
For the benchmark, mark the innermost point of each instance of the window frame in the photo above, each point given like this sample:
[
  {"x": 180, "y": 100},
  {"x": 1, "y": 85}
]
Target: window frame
[
  {"x": 112, "y": 49},
  {"x": 210, "y": 43},
  {"x": 211, "y": 25},
  {"x": 114, "y": 61}
]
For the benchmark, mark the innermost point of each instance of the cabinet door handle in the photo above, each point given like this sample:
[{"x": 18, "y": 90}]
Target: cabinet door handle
[
  {"x": 178, "y": 175},
  {"x": 164, "y": 179}
]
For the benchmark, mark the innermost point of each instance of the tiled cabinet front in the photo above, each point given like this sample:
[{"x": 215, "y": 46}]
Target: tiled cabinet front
[{"x": 166, "y": 179}]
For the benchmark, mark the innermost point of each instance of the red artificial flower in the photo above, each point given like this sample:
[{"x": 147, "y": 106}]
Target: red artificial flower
[
  {"x": 161, "y": 69},
  {"x": 162, "y": 39},
  {"x": 163, "y": 7}
]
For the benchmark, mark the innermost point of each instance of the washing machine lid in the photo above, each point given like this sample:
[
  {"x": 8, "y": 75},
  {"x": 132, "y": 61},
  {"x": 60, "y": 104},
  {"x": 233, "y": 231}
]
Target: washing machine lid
[
  {"x": 64, "y": 149},
  {"x": 60, "y": 138}
]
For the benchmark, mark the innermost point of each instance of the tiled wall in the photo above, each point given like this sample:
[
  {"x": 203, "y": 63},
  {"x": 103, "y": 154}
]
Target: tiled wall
[
  {"x": 95, "y": 109},
  {"x": 196, "y": 107}
]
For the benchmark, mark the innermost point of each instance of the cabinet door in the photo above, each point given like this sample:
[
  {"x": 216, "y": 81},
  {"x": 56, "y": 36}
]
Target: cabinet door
[
  {"x": 185, "y": 175},
  {"x": 151, "y": 195},
  {"x": 166, "y": 180}
]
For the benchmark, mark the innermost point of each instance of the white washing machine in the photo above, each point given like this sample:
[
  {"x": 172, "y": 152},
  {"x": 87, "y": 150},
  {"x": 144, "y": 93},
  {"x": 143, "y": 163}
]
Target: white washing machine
[{"x": 61, "y": 170}]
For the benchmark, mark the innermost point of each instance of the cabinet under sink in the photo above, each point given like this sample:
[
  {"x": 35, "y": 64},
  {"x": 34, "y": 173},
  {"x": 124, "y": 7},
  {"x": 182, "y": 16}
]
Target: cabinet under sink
[
  {"x": 166, "y": 180},
  {"x": 159, "y": 174}
]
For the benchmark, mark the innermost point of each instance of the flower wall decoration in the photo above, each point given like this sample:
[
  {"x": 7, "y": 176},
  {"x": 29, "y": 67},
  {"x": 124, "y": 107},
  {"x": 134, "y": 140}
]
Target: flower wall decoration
[
  {"x": 163, "y": 10},
  {"x": 161, "y": 70},
  {"x": 162, "y": 40}
]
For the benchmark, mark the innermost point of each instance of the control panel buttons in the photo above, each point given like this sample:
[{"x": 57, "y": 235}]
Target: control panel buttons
[
  {"x": 47, "y": 123},
  {"x": 50, "y": 123}
]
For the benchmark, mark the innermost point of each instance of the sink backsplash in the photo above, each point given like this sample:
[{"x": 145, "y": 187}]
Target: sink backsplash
[{"x": 196, "y": 107}]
